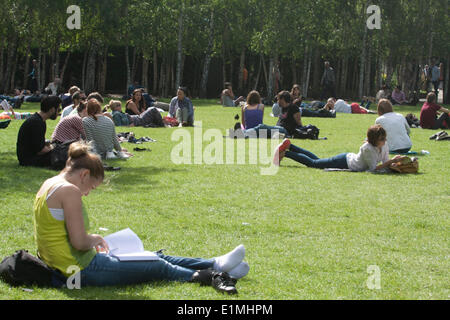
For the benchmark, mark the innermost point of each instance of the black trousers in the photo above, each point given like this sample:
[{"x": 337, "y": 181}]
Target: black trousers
[{"x": 439, "y": 124}]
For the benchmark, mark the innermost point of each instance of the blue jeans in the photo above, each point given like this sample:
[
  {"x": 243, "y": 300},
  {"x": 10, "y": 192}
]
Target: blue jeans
[
  {"x": 312, "y": 161},
  {"x": 254, "y": 132},
  {"x": 8, "y": 98},
  {"x": 105, "y": 270}
]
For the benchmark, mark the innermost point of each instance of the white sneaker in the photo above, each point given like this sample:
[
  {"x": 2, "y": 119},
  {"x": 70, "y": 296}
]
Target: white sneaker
[
  {"x": 111, "y": 156},
  {"x": 278, "y": 135},
  {"x": 123, "y": 156}
]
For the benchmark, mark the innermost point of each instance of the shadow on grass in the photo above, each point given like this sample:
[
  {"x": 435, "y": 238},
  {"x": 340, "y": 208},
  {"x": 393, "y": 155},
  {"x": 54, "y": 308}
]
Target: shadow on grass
[
  {"x": 140, "y": 175},
  {"x": 16, "y": 177},
  {"x": 132, "y": 292}
]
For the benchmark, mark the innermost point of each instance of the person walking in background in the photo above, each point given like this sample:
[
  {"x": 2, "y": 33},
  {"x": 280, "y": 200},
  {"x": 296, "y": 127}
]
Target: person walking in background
[
  {"x": 33, "y": 78},
  {"x": 435, "y": 76},
  {"x": 328, "y": 82}
]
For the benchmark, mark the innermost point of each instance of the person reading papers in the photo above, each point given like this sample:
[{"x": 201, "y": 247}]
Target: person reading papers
[{"x": 62, "y": 238}]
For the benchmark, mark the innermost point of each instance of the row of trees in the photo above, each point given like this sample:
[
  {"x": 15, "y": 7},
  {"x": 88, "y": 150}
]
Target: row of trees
[{"x": 203, "y": 43}]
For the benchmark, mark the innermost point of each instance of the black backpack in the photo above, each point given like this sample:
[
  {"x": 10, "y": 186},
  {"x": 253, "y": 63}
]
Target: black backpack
[
  {"x": 60, "y": 154},
  {"x": 23, "y": 269},
  {"x": 309, "y": 132}
]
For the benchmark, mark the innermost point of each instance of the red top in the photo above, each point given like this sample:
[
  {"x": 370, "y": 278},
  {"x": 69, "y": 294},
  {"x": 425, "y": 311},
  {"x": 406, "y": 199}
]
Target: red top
[{"x": 428, "y": 115}]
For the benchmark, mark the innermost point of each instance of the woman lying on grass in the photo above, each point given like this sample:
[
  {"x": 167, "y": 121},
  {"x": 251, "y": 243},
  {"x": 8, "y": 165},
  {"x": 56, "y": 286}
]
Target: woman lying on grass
[
  {"x": 61, "y": 224},
  {"x": 371, "y": 154}
]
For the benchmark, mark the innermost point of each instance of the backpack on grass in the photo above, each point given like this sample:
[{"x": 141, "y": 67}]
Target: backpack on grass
[
  {"x": 309, "y": 132},
  {"x": 23, "y": 269}
]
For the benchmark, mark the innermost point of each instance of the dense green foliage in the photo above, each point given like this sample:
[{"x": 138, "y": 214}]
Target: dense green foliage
[{"x": 179, "y": 44}]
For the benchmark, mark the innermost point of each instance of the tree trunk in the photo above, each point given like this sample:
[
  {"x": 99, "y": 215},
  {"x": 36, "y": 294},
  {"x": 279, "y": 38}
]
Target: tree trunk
[
  {"x": 255, "y": 87},
  {"x": 63, "y": 70},
  {"x": 26, "y": 69},
  {"x": 2, "y": 65},
  {"x": 43, "y": 70},
  {"x": 270, "y": 88},
  {"x": 127, "y": 64},
  {"x": 180, "y": 45},
  {"x": 102, "y": 69},
  {"x": 9, "y": 65},
  {"x": 83, "y": 70},
  {"x": 362, "y": 65},
  {"x": 368, "y": 82},
  {"x": 144, "y": 80},
  {"x": 38, "y": 70},
  {"x": 90, "y": 69},
  {"x": 317, "y": 72},
  {"x": 305, "y": 70},
  {"x": 241, "y": 70},
  {"x": 206, "y": 65},
  {"x": 13, "y": 72},
  {"x": 57, "y": 62},
  {"x": 308, "y": 74},
  {"x": 447, "y": 82},
  {"x": 294, "y": 71},
  {"x": 343, "y": 80},
  {"x": 134, "y": 64},
  {"x": 155, "y": 71},
  {"x": 266, "y": 74}
]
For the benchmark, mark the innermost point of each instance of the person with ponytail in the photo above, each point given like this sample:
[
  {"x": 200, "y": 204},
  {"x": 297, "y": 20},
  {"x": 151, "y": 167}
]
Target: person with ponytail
[
  {"x": 61, "y": 226},
  {"x": 100, "y": 130}
]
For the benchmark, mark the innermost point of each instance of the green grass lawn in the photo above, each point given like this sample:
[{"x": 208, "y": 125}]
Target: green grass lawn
[{"x": 309, "y": 234}]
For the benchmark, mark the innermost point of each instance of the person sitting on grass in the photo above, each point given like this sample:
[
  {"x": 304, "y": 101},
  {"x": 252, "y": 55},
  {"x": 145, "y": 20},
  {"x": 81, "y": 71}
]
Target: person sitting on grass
[
  {"x": 136, "y": 105},
  {"x": 67, "y": 97},
  {"x": 32, "y": 148},
  {"x": 373, "y": 155},
  {"x": 253, "y": 111},
  {"x": 252, "y": 117},
  {"x": 76, "y": 99},
  {"x": 429, "y": 114},
  {"x": 290, "y": 117},
  {"x": 182, "y": 109},
  {"x": 227, "y": 97},
  {"x": 71, "y": 128},
  {"x": 383, "y": 93},
  {"x": 296, "y": 99},
  {"x": 149, "y": 118},
  {"x": 396, "y": 126},
  {"x": 101, "y": 132},
  {"x": 61, "y": 234},
  {"x": 398, "y": 97}
]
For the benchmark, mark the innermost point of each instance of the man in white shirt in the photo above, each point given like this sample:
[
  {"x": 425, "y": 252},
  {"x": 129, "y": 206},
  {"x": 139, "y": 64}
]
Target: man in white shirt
[{"x": 396, "y": 126}]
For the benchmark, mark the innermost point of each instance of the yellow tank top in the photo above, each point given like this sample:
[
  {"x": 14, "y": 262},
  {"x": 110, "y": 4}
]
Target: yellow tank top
[{"x": 53, "y": 242}]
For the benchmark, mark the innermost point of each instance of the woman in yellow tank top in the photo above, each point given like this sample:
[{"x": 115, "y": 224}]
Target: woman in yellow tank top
[{"x": 63, "y": 243}]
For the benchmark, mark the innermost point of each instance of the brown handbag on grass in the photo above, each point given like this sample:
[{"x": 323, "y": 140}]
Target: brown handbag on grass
[{"x": 407, "y": 165}]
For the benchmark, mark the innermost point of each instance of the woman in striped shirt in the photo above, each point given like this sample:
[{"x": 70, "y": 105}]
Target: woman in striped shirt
[{"x": 101, "y": 131}]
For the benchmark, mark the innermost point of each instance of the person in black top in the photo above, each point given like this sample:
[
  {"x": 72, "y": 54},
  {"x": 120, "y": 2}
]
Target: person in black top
[
  {"x": 290, "y": 117},
  {"x": 32, "y": 150}
]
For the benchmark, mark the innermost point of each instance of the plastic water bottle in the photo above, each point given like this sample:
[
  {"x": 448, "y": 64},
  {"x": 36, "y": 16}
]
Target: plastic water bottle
[{"x": 425, "y": 152}]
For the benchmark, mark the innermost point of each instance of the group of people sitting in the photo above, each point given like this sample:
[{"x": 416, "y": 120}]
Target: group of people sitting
[
  {"x": 84, "y": 118},
  {"x": 397, "y": 97}
]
